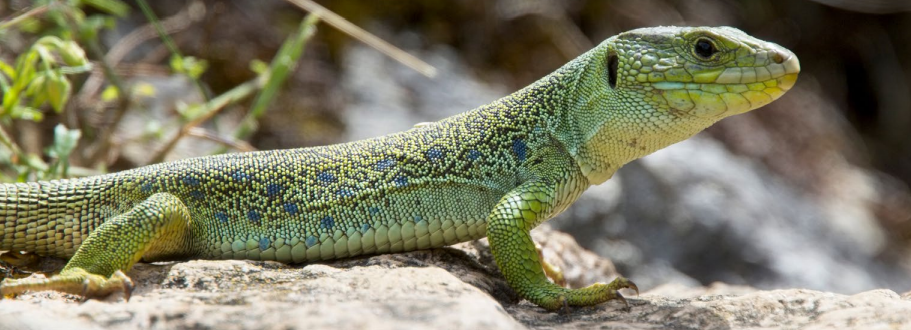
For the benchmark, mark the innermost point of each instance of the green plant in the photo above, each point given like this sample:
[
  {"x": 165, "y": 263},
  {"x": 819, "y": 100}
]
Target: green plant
[{"x": 37, "y": 78}]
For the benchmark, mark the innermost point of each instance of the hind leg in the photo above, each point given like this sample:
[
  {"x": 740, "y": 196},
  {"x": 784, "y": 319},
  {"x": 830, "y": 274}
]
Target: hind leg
[{"x": 161, "y": 222}]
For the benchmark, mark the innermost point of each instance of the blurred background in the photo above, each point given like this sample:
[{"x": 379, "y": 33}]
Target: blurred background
[{"x": 811, "y": 191}]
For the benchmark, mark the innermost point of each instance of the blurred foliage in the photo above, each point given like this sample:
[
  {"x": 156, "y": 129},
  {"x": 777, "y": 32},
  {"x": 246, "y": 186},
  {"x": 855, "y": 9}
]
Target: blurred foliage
[
  {"x": 43, "y": 65},
  {"x": 38, "y": 78}
]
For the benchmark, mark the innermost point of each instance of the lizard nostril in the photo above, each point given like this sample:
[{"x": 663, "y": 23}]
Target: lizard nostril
[{"x": 778, "y": 57}]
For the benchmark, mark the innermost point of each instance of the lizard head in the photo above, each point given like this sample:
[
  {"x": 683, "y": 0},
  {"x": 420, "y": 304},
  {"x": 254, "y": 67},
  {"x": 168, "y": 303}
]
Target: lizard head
[
  {"x": 701, "y": 72},
  {"x": 645, "y": 89}
]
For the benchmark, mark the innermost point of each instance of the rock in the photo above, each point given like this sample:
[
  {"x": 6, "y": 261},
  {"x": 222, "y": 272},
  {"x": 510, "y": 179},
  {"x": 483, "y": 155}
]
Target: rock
[
  {"x": 732, "y": 307},
  {"x": 367, "y": 293},
  {"x": 451, "y": 288}
]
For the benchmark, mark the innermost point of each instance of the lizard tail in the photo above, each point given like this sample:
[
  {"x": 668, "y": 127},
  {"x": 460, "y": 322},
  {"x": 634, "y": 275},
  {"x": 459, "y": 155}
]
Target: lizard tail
[{"x": 48, "y": 218}]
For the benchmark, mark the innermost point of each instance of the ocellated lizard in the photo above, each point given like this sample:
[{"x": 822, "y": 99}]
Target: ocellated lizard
[{"x": 496, "y": 171}]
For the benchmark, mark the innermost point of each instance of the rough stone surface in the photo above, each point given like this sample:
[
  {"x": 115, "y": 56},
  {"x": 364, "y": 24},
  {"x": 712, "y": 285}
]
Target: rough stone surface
[{"x": 451, "y": 288}]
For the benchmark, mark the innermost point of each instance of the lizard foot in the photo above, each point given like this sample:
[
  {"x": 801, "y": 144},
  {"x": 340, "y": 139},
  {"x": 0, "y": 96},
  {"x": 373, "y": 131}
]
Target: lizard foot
[
  {"x": 75, "y": 281},
  {"x": 597, "y": 293},
  {"x": 19, "y": 259}
]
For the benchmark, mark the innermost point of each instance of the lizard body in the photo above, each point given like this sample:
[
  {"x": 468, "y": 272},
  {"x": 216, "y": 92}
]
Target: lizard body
[{"x": 496, "y": 171}]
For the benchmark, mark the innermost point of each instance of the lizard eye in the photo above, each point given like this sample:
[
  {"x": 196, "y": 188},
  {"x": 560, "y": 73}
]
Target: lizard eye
[
  {"x": 612, "y": 66},
  {"x": 704, "y": 49}
]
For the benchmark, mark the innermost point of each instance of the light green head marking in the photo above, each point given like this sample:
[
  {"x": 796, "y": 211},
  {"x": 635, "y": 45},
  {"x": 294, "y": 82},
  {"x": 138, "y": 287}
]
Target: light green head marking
[
  {"x": 645, "y": 89},
  {"x": 704, "y": 72}
]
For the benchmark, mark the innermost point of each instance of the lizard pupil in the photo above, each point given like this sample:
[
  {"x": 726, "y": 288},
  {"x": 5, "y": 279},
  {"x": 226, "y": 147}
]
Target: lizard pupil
[{"x": 705, "y": 49}]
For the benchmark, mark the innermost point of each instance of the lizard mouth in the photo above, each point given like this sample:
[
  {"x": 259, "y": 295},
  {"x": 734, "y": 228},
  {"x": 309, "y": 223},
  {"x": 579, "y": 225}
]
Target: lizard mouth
[{"x": 733, "y": 90}]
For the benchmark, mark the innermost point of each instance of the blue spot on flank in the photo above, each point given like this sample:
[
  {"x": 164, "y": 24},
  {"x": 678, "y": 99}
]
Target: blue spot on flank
[
  {"x": 326, "y": 223},
  {"x": 197, "y": 194},
  {"x": 474, "y": 154},
  {"x": 434, "y": 154},
  {"x": 364, "y": 228},
  {"x": 418, "y": 218},
  {"x": 221, "y": 216},
  {"x": 264, "y": 243},
  {"x": 190, "y": 180},
  {"x": 373, "y": 210},
  {"x": 311, "y": 241},
  {"x": 345, "y": 193},
  {"x": 326, "y": 177},
  {"x": 291, "y": 208},
  {"x": 253, "y": 216},
  {"x": 385, "y": 164},
  {"x": 273, "y": 189},
  {"x": 146, "y": 187},
  {"x": 240, "y": 176},
  {"x": 400, "y": 181},
  {"x": 519, "y": 147}
]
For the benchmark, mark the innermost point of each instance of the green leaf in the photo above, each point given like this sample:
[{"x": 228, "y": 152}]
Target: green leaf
[
  {"x": 90, "y": 26},
  {"x": 72, "y": 54},
  {"x": 30, "y": 25},
  {"x": 190, "y": 111},
  {"x": 25, "y": 72},
  {"x": 76, "y": 69},
  {"x": 64, "y": 141},
  {"x": 4, "y": 87},
  {"x": 176, "y": 64},
  {"x": 44, "y": 53},
  {"x": 154, "y": 129},
  {"x": 113, "y": 7},
  {"x": 37, "y": 89},
  {"x": 110, "y": 93},
  {"x": 143, "y": 89},
  {"x": 197, "y": 68},
  {"x": 26, "y": 113},
  {"x": 37, "y": 100},
  {"x": 7, "y": 70},
  {"x": 189, "y": 66},
  {"x": 58, "y": 91},
  {"x": 259, "y": 67},
  {"x": 52, "y": 42},
  {"x": 34, "y": 161},
  {"x": 37, "y": 85},
  {"x": 25, "y": 69},
  {"x": 282, "y": 65}
]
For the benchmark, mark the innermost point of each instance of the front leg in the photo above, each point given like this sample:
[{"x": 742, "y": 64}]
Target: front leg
[
  {"x": 508, "y": 230},
  {"x": 160, "y": 224}
]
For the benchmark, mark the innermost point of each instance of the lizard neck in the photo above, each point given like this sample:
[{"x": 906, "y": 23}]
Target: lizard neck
[{"x": 604, "y": 128}]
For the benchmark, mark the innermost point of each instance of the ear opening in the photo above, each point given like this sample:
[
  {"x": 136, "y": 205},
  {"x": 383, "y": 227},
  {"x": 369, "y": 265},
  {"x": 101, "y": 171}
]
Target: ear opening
[{"x": 612, "y": 65}]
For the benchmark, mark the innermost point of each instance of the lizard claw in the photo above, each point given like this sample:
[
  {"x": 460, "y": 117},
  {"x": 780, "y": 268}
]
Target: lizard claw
[
  {"x": 621, "y": 298},
  {"x": 566, "y": 310},
  {"x": 127, "y": 284},
  {"x": 623, "y": 283},
  {"x": 632, "y": 286}
]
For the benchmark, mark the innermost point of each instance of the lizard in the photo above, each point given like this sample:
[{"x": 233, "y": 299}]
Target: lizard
[{"x": 496, "y": 171}]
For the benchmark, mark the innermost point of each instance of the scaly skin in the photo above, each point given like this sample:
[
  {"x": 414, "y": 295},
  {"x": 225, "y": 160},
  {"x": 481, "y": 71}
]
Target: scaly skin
[{"x": 496, "y": 171}]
